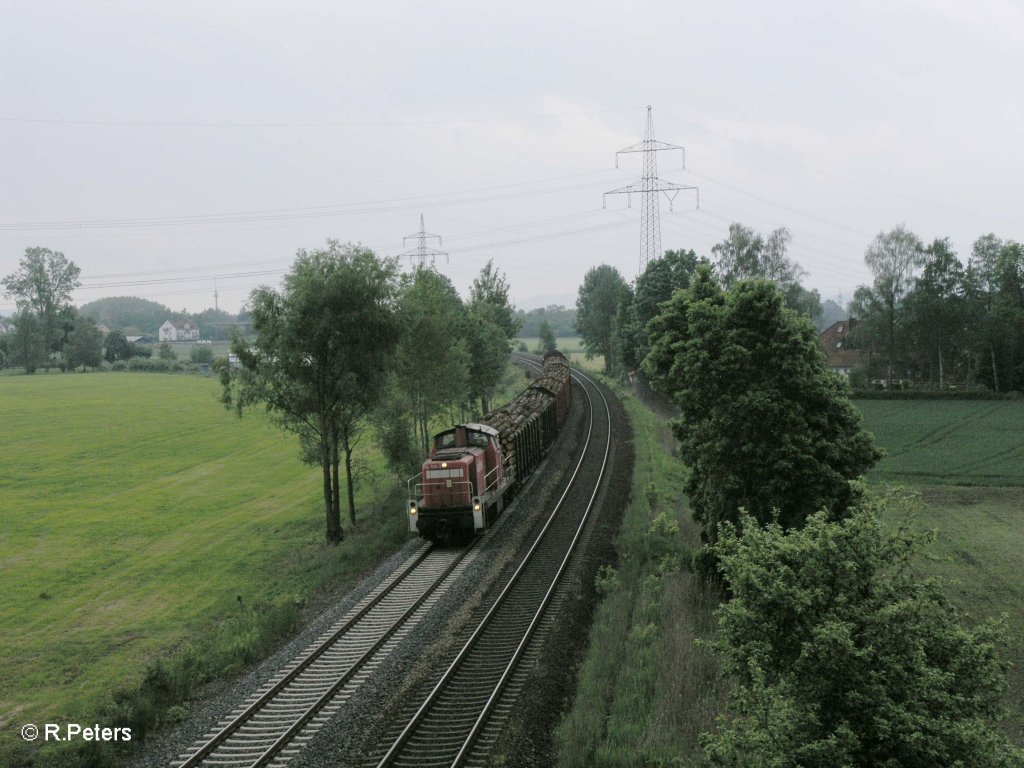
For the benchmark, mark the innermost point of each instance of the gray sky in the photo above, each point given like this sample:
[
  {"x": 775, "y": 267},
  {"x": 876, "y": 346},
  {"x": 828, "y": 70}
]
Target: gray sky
[{"x": 162, "y": 144}]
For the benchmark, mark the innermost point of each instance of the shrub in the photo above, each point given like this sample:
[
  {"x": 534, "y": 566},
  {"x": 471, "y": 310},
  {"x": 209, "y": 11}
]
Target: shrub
[{"x": 119, "y": 365}]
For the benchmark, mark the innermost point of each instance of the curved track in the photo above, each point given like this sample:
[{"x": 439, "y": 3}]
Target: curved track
[
  {"x": 279, "y": 719},
  {"x": 456, "y": 724}
]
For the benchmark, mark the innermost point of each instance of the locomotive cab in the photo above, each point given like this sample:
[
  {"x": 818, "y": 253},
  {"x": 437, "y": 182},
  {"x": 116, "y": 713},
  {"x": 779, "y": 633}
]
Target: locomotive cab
[{"x": 460, "y": 486}]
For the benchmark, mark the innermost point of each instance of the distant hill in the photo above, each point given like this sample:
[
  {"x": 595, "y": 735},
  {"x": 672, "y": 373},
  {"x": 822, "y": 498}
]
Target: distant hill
[
  {"x": 120, "y": 312},
  {"x": 561, "y": 320}
]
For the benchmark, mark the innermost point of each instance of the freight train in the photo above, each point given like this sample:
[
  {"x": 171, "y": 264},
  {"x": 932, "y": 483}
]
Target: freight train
[{"x": 474, "y": 470}]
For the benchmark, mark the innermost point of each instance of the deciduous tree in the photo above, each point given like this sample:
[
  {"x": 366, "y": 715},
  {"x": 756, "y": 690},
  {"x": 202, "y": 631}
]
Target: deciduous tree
[
  {"x": 85, "y": 345},
  {"x": 893, "y": 258},
  {"x": 42, "y": 287},
  {"x": 321, "y": 357},
  {"x": 844, "y": 657},
  {"x": 597, "y": 304},
  {"x": 763, "y": 424},
  {"x": 490, "y": 326},
  {"x": 432, "y": 359}
]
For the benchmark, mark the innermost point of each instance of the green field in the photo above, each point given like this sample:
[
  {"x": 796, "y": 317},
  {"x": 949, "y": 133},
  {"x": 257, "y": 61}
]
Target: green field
[
  {"x": 948, "y": 442},
  {"x": 965, "y": 461},
  {"x": 137, "y": 515}
]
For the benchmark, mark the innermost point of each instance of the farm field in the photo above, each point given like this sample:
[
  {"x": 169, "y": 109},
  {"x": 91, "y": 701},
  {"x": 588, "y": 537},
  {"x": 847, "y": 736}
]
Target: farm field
[
  {"x": 965, "y": 461},
  {"x": 136, "y": 515},
  {"x": 948, "y": 442}
]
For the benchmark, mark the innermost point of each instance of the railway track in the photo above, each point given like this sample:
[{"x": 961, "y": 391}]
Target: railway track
[
  {"x": 276, "y": 722},
  {"x": 461, "y": 716}
]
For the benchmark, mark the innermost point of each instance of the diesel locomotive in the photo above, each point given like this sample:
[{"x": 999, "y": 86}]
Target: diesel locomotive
[{"x": 474, "y": 470}]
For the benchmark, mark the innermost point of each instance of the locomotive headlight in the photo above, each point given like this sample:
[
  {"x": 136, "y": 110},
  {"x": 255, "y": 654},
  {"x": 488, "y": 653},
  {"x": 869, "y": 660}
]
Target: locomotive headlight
[
  {"x": 476, "y": 507},
  {"x": 444, "y": 465}
]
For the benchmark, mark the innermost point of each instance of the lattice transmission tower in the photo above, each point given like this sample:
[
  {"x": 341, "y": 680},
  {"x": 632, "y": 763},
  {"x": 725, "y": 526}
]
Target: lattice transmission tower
[
  {"x": 421, "y": 252},
  {"x": 649, "y": 185}
]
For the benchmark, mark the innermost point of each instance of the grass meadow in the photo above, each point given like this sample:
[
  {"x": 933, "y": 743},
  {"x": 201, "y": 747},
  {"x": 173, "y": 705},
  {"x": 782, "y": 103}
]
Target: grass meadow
[
  {"x": 964, "y": 460},
  {"x": 572, "y": 348},
  {"x": 149, "y": 538}
]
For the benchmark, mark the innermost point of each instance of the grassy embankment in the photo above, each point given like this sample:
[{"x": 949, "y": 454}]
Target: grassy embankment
[
  {"x": 966, "y": 460},
  {"x": 150, "y": 540},
  {"x": 646, "y": 690}
]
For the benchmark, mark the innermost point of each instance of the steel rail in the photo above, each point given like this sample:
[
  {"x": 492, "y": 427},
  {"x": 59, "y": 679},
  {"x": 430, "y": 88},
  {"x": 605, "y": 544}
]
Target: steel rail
[
  {"x": 246, "y": 715},
  {"x": 486, "y": 620}
]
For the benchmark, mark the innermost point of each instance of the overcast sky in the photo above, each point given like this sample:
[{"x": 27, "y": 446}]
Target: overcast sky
[{"x": 161, "y": 145}]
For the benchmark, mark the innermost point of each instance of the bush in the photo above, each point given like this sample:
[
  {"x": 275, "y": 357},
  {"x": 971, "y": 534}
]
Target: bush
[
  {"x": 119, "y": 365},
  {"x": 201, "y": 354}
]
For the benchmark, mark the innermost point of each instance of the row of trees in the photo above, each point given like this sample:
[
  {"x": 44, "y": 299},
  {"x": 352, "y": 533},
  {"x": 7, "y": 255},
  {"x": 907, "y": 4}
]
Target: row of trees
[
  {"x": 840, "y": 656},
  {"x": 350, "y": 342},
  {"x": 928, "y": 317},
  {"x": 612, "y": 317},
  {"x": 47, "y": 325}
]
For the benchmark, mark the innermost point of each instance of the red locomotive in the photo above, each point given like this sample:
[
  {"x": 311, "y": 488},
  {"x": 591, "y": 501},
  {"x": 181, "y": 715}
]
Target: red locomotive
[{"x": 475, "y": 469}]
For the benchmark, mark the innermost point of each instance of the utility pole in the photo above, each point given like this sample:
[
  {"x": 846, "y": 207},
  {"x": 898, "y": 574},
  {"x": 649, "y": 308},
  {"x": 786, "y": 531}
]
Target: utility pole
[
  {"x": 216, "y": 306},
  {"x": 649, "y": 185},
  {"x": 421, "y": 252}
]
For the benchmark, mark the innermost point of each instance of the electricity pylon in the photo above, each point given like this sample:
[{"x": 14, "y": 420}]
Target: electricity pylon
[
  {"x": 649, "y": 186},
  {"x": 421, "y": 252}
]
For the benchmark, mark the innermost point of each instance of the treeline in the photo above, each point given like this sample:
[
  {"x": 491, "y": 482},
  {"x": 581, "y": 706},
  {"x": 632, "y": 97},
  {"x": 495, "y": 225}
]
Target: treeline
[
  {"x": 350, "y": 343},
  {"x": 47, "y": 327},
  {"x": 824, "y": 630},
  {"x": 561, "y": 321},
  {"x": 929, "y": 318},
  {"x": 142, "y": 317}
]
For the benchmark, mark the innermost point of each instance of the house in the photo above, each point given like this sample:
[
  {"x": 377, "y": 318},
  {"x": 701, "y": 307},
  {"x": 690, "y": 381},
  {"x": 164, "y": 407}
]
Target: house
[
  {"x": 179, "y": 330},
  {"x": 842, "y": 356}
]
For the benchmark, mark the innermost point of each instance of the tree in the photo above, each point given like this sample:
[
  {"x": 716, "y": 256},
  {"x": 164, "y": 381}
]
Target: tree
[
  {"x": 42, "y": 287},
  {"x": 546, "y": 337},
  {"x": 893, "y": 257},
  {"x": 745, "y": 255},
  {"x": 843, "y": 657},
  {"x": 598, "y": 301},
  {"x": 763, "y": 423},
  {"x": 935, "y": 312},
  {"x": 28, "y": 348},
  {"x": 432, "y": 359},
  {"x": 321, "y": 357},
  {"x": 85, "y": 345},
  {"x": 491, "y": 324},
  {"x": 166, "y": 352},
  {"x": 201, "y": 355},
  {"x": 117, "y": 347},
  {"x": 659, "y": 280}
]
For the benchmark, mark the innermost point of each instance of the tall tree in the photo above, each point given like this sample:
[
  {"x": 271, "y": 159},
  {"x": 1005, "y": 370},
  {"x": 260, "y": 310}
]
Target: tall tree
[
  {"x": 659, "y": 280},
  {"x": 934, "y": 309},
  {"x": 432, "y": 358},
  {"x": 547, "y": 337},
  {"x": 746, "y": 255},
  {"x": 42, "y": 287},
  {"x": 85, "y": 345},
  {"x": 597, "y": 304},
  {"x": 320, "y": 358},
  {"x": 117, "y": 347},
  {"x": 491, "y": 325},
  {"x": 893, "y": 258},
  {"x": 28, "y": 348},
  {"x": 843, "y": 657},
  {"x": 763, "y": 424}
]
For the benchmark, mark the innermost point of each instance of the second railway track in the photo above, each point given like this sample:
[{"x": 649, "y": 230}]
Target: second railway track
[{"x": 274, "y": 724}]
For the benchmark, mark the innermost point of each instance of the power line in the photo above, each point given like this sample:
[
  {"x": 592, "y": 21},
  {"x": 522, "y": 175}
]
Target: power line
[{"x": 310, "y": 124}]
